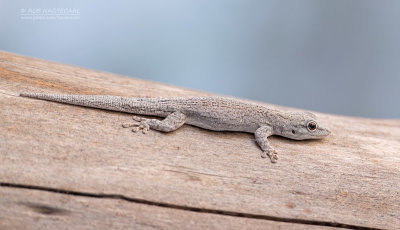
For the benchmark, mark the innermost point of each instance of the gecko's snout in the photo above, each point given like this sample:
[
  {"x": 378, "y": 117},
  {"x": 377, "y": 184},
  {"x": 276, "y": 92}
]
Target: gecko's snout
[{"x": 324, "y": 131}]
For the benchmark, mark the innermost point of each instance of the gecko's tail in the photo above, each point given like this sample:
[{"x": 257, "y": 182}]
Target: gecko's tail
[
  {"x": 94, "y": 101},
  {"x": 114, "y": 103},
  {"x": 85, "y": 100},
  {"x": 32, "y": 95}
]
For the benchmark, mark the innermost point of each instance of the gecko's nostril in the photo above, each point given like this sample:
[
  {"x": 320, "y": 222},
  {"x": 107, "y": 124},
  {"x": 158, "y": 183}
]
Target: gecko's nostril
[{"x": 294, "y": 132}]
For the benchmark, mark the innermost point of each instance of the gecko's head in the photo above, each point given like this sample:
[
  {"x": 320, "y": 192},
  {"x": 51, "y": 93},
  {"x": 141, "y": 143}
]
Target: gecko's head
[{"x": 301, "y": 126}]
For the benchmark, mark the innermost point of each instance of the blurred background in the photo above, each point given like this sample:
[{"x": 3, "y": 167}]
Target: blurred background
[{"x": 338, "y": 56}]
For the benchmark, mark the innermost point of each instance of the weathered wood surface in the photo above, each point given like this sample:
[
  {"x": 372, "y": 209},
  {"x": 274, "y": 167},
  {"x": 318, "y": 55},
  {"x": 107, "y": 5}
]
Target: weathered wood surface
[
  {"x": 30, "y": 209},
  {"x": 351, "y": 178}
]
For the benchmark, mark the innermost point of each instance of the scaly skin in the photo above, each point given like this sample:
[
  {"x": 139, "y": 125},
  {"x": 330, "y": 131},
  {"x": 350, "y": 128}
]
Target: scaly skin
[{"x": 212, "y": 113}]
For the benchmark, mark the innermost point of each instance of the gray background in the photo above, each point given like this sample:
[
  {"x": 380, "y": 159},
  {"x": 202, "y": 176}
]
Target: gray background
[{"x": 337, "y": 56}]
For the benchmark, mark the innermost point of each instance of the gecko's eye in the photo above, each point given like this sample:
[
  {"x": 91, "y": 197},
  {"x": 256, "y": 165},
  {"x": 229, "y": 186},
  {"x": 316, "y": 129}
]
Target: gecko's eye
[{"x": 311, "y": 126}]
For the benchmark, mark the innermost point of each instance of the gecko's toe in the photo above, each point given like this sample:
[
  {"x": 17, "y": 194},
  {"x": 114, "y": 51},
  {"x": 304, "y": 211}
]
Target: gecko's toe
[
  {"x": 139, "y": 119},
  {"x": 127, "y": 125},
  {"x": 263, "y": 154},
  {"x": 274, "y": 159},
  {"x": 135, "y": 129},
  {"x": 145, "y": 128},
  {"x": 272, "y": 154}
]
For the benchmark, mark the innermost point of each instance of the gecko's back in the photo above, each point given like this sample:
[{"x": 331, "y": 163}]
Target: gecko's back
[{"x": 221, "y": 113}]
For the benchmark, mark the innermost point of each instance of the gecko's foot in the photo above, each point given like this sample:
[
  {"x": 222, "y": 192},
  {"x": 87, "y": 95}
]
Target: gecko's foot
[
  {"x": 137, "y": 126},
  {"x": 144, "y": 127},
  {"x": 273, "y": 155},
  {"x": 141, "y": 126}
]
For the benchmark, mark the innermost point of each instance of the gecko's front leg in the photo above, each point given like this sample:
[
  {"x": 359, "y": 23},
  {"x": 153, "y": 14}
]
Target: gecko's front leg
[
  {"x": 261, "y": 136},
  {"x": 172, "y": 122}
]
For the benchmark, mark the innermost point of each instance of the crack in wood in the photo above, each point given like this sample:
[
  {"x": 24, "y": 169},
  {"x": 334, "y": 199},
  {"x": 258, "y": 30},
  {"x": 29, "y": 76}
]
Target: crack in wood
[
  {"x": 45, "y": 209},
  {"x": 185, "y": 208}
]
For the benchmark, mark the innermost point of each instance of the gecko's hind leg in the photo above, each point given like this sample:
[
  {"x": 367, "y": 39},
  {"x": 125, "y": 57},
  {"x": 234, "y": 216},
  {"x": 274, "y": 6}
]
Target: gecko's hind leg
[{"x": 172, "y": 122}]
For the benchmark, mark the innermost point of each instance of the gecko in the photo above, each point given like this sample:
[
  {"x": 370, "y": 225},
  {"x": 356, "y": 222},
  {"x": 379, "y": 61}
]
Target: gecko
[{"x": 212, "y": 113}]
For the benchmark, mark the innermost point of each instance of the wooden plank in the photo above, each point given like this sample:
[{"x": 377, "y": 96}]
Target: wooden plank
[
  {"x": 352, "y": 177},
  {"x": 30, "y": 209}
]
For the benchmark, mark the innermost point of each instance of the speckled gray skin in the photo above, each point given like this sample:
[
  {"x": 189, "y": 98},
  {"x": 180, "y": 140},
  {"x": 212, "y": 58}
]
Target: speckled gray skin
[{"x": 213, "y": 113}]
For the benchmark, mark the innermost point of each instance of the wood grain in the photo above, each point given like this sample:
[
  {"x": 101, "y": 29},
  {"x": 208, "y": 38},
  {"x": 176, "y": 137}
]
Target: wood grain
[
  {"x": 351, "y": 178},
  {"x": 30, "y": 209}
]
